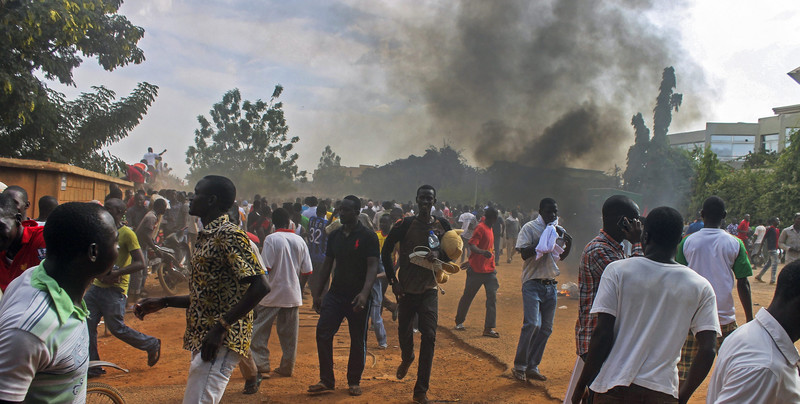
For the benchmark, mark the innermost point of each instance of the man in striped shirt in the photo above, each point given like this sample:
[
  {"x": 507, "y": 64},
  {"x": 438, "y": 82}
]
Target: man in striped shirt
[
  {"x": 620, "y": 222},
  {"x": 44, "y": 340}
]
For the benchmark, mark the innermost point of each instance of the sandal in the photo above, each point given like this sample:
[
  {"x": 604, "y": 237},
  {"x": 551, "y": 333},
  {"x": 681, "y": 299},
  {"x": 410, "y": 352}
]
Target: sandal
[
  {"x": 251, "y": 387},
  {"x": 491, "y": 334},
  {"x": 319, "y": 388},
  {"x": 354, "y": 390}
]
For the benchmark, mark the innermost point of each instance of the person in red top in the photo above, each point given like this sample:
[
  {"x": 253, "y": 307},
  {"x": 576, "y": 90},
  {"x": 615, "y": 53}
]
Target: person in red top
[
  {"x": 743, "y": 231},
  {"x": 481, "y": 272},
  {"x": 21, "y": 242}
]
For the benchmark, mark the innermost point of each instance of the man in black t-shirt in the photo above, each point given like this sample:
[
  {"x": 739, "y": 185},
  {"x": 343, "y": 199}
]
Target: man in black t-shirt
[
  {"x": 415, "y": 287},
  {"x": 354, "y": 250}
]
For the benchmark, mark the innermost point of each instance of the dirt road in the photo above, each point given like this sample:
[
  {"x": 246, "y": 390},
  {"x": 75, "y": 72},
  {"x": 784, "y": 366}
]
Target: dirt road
[{"x": 467, "y": 368}]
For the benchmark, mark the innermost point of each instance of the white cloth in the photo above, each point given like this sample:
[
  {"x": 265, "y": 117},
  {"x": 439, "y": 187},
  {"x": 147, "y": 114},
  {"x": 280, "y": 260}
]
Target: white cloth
[
  {"x": 651, "y": 321},
  {"x": 151, "y": 158},
  {"x": 468, "y": 223},
  {"x": 758, "y": 363},
  {"x": 545, "y": 267},
  {"x": 712, "y": 254},
  {"x": 547, "y": 242},
  {"x": 207, "y": 380},
  {"x": 573, "y": 380},
  {"x": 310, "y": 212},
  {"x": 760, "y": 232},
  {"x": 286, "y": 256}
]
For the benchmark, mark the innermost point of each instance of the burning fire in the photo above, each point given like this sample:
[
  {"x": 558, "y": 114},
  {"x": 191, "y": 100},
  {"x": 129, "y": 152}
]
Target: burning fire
[{"x": 563, "y": 292}]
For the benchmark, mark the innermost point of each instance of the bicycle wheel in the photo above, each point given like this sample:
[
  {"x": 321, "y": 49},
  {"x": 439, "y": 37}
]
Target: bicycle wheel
[
  {"x": 168, "y": 279},
  {"x": 101, "y": 393}
]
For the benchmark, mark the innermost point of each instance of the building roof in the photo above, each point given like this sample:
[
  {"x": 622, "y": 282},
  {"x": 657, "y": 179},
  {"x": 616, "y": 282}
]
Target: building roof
[
  {"x": 58, "y": 167},
  {"x": 795, "y": 75}
]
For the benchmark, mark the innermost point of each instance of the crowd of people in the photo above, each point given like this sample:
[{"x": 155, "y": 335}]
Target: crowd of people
[{"x": 656, "y": 297}]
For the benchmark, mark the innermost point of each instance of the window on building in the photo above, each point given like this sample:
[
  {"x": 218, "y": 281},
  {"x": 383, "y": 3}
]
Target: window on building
[
  {"x": 769, "y": 142},
  {"x": 730, "y": 147},
  {"x": 691, "y": 146}
]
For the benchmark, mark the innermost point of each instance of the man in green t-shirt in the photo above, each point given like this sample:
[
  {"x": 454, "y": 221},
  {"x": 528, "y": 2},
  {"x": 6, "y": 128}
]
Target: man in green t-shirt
[{"x": 107, "y": 296}]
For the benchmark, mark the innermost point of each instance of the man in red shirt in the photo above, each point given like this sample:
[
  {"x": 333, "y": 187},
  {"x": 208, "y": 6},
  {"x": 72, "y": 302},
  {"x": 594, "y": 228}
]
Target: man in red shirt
[
  {"x": 743, "y": 231},
  {"x": 21, "y": 242},
  {"x": 481, "y": 272}
]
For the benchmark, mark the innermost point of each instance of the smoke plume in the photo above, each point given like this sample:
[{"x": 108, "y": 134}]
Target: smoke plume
[{"x": 550, "y": 83}]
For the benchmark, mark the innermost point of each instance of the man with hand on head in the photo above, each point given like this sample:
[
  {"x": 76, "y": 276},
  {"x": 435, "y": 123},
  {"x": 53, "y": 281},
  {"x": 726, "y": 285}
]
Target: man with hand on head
[
  {"x": 22, "y": 244},
  {"x": 44, "y": 340},
  {"x": 642, "y": 321},
  {"x": 226, "y": 284}
]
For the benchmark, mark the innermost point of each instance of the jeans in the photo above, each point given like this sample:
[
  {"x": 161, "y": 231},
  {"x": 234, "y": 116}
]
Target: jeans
[
  {"x": 375, "y": 310},
  {"x": 425, "y": 307},
  {"x": 772, "y": 261},
  {"x": 287, "y": 326},
  {"x": 109, "y": 303},
  {"x": 207, "y": 380},
  {"x": 471, "y": 286},
  {"x": 539, "y": 308},
  {"x": 334, "y": 310}
]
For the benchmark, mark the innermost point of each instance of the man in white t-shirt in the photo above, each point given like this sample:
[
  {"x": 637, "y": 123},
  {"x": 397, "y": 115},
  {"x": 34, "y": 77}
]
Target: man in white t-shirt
[
  {"x": 719, "y": 257},
  {"x": 641, "y": 324},
  {"x": 759, "y": 233},
  {"x": 287, "y": 259},
  {"x": 468, "y": 223}
]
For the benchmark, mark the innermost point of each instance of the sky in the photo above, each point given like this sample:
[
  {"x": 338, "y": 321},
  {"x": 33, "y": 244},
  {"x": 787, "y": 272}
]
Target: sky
[{"x": 380, "y": 80}]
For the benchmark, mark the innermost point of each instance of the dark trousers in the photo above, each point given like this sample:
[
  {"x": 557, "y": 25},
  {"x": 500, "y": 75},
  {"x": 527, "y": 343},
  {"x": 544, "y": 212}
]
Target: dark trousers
[
  {"x": 633, "y": 394},
  {"x": 425, "y": 306},
  {"x": 471, "y": 287},
  {"x": 334, "y": 310}
]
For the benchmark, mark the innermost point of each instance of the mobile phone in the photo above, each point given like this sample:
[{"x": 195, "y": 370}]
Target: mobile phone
[{"x": 624, "y": 223}]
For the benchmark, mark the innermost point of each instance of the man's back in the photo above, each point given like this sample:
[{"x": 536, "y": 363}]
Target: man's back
[
  {"x": 286, "y": 256},
  {"x": 756, "y": 364},
  {"x": 651, "y": 321},
  {"x": 718, "y": 257}
]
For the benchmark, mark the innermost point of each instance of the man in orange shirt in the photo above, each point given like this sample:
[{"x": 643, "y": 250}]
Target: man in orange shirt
[{"x": 481, "y": 272}]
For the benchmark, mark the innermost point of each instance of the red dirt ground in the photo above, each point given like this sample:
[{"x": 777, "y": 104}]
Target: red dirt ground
[{"x": 467, "y": 367}]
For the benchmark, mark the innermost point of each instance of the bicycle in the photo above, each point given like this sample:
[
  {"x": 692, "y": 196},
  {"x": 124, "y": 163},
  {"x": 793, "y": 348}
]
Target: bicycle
[{"x": 101, "y": 393}]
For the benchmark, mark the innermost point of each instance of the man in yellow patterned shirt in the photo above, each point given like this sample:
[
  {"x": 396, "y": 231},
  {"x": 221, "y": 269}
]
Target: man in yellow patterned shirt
[{"x": 226, "y": 284}]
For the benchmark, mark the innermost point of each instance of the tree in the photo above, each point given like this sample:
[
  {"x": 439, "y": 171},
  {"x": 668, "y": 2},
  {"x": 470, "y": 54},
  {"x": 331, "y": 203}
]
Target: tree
[
  {"x": 328, "y": 177},
  {"x": 659, "y": 172},
  {"x": 75, "y": 132},
  {"x": 44, "y": 37},
  {"x": 247, "y": 142},
  {"x": 329, "y": 159},
  {"x": 708, "y": 171}
]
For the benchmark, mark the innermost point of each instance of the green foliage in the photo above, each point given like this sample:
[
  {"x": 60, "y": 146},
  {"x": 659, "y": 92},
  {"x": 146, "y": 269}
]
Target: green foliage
[
  {"x": 708, "y": 171},
  {"x": 329, "y": 176},
  {"x": 45, "y": 37},
  {"x": 247, "y": 142},
  {"x": 760, "y": 159},
  {"x": 666, "y": 101},
  {"x": 76, "y": 131}
]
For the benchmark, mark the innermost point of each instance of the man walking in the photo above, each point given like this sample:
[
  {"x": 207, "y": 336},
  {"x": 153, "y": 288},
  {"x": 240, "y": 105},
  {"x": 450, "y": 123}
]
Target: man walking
[
  {"x": 353, "y": 248},
  {"x": 789, "y": 240},
  {"x": 758, "y": 363},
  {"x": 620, "y": 222},
  {"x": 106, "y": 298},
  {"x": 44, "y": 341},
  {"x": 718, "y": 257},
  {"x": 512, "y": 230},
  {"x": 542, "y": 243},
  {"x": 285, "y": 255},
  {"x": 416, "y": 287},
  {"x": 642, "y": 322},
  {"x": 226, "y": 285},
  {"x": 146, "y": 232},
  {"x": 770, "y": 244},
  {"x": 481, "y": 272}
]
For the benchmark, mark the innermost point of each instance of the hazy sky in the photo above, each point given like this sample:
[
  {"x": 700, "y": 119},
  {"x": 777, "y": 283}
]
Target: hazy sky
[{"x": 366, "y": 77}]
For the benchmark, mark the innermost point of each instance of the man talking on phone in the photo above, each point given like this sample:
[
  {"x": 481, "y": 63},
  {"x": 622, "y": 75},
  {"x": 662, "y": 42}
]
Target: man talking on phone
[{"x": 620, "y": 223}]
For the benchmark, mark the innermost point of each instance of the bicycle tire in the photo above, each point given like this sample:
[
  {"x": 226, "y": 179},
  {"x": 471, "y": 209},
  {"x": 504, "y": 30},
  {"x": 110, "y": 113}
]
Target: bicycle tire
[
  {"x": 169, "y": 286},
  {"x": 97, "y": 393}
]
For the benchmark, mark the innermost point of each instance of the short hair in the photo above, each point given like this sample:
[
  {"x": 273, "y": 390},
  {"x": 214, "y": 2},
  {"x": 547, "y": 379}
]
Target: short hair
[
  {"x": 72, "y": 228},
  {"x": 490, "y": 211},
  {"x": 116, "y": 203},
  {"x": 356, "y": 201},
  {"x": 322, "y": 208},
  {"x": 8, "y": 206},
  {"x": 223, "y": 189},
  {"x": 311, "y": 201},
  {"x": 788, "y": 286},
  {"x": 546, "y": 202},
  {"x": 17, "y": 188},
  {"x": 297, "y": 208},
  {"x": 280, "y": 218},
  {"x": 256, "y": 205},
  {"x": 388, "y": 204},
  {"x": 616, "y": 206},
  {"x": 713, "y": 209},
  {"x": 160, "y": 202},
  {"x": 426, "y": 186},
  {"x": 664, "y": 226}
]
